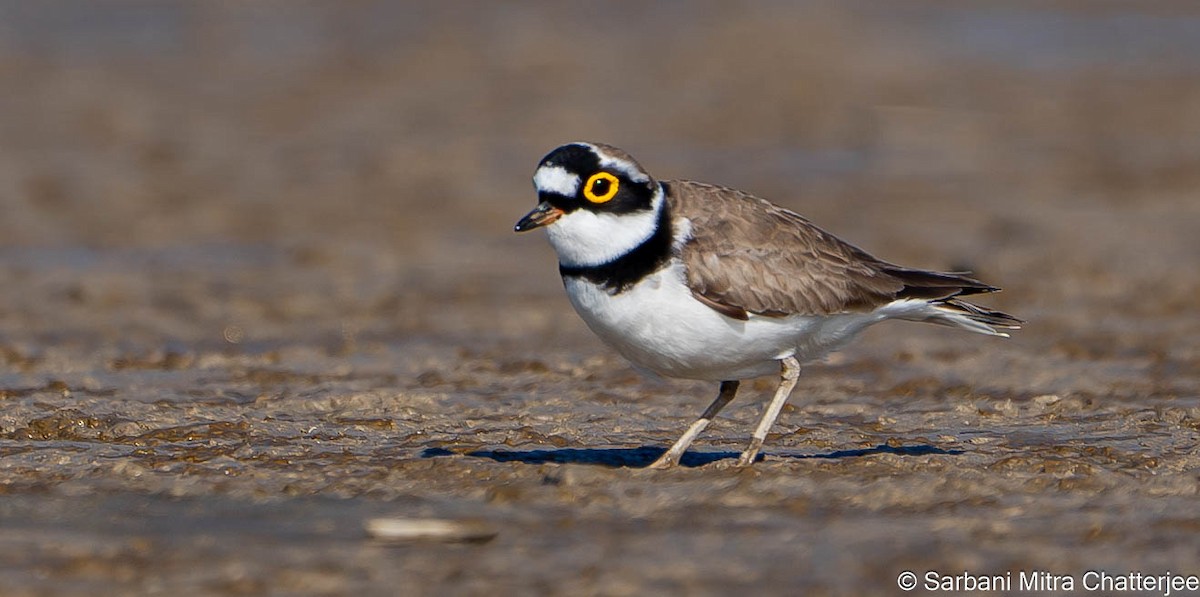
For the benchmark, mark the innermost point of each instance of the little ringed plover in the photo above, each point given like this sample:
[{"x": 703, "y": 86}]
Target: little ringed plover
[{"x": 698, "y": 281}]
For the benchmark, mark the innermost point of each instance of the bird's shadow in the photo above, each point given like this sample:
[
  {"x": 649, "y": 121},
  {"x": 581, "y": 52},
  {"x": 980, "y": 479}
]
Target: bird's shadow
[{"x": 642, "y": 456}]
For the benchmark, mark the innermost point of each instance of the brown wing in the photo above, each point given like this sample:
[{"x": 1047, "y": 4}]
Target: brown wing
[{"x": 748, "y": 255}]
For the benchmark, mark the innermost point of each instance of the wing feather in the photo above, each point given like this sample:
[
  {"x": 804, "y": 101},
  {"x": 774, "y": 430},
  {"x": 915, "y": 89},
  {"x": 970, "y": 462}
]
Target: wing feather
[{"x": 746, "y": 254}]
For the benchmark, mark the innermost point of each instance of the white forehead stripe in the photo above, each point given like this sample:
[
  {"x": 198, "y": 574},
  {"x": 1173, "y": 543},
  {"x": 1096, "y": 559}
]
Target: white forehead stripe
[
  {"x": 631, "y": 171},
  {"x": 556, "y": 179}
]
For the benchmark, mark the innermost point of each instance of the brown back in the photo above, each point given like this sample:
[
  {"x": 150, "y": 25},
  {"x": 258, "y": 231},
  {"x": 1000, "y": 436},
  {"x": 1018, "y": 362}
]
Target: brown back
[{"x": 749, "y": 255}]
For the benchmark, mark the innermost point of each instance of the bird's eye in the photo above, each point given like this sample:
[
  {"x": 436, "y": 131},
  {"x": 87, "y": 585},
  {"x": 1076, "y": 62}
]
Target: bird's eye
[{"x": 601, "y": 187}]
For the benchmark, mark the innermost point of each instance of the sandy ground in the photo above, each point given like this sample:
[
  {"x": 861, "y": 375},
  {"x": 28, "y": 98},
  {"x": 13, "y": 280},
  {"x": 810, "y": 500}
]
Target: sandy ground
[{"x": 261, "y": 287}]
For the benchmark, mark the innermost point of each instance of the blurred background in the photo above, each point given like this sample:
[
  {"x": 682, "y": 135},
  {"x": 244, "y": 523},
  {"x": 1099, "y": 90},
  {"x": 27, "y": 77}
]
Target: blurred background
[
  {"x": 257, "y": 251},
  {"x": 387, "y": 146}
]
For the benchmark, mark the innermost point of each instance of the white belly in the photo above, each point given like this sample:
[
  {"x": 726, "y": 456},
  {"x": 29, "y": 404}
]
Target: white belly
[{"x": 658, "y": 325}]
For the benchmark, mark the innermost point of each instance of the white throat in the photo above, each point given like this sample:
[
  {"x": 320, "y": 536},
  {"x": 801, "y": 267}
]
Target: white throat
[{"x": 585, "y": 238}]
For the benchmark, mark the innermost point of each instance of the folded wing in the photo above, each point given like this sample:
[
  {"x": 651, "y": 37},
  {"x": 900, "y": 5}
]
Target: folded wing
[{"x": 747, "y": 255}]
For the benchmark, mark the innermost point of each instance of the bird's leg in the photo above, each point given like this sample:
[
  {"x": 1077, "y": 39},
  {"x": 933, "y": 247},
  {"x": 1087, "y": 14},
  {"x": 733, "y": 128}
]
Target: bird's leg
[
  {"x": 788, "y": 375},
  {"x": 672, "y": 456}
]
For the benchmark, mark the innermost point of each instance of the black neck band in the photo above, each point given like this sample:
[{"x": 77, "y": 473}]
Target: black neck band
[{"x": 618, "y": 275}]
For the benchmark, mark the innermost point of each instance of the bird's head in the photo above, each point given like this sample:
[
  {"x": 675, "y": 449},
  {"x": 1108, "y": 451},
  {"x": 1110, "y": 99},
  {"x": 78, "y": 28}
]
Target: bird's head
[{"x": 595, "y": 201}]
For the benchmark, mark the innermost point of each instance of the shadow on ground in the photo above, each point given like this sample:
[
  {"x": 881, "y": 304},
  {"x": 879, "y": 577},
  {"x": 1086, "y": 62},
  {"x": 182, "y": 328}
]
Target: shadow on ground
[{"x": 642, "y": 456}]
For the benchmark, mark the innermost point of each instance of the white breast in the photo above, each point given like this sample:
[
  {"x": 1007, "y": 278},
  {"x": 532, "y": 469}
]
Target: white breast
[{"x": 658, "y": 325}]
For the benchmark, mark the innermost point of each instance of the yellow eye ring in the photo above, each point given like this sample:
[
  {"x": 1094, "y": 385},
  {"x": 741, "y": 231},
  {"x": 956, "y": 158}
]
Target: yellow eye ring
[{"x": 601, "y": 187}]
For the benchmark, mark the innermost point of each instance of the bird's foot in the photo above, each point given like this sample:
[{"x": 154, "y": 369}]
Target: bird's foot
[
  {"x": 751, "y": 454},
  {"x": 666, "y": 461}
]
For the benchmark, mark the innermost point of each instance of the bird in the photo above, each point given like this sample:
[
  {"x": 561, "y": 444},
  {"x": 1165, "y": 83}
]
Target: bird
[{"x": 697, "y": 281}]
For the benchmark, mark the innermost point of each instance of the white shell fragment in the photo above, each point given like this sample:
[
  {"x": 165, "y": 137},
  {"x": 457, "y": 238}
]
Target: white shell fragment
[{"x": 429, "y": 529}]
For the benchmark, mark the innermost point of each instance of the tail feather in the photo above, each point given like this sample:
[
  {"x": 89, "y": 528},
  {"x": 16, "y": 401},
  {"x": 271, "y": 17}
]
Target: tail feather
[
  {"x": 935, "y": 297},
  {"x": 968, "y": 316},
  {"x": 925, "y": 284}
]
